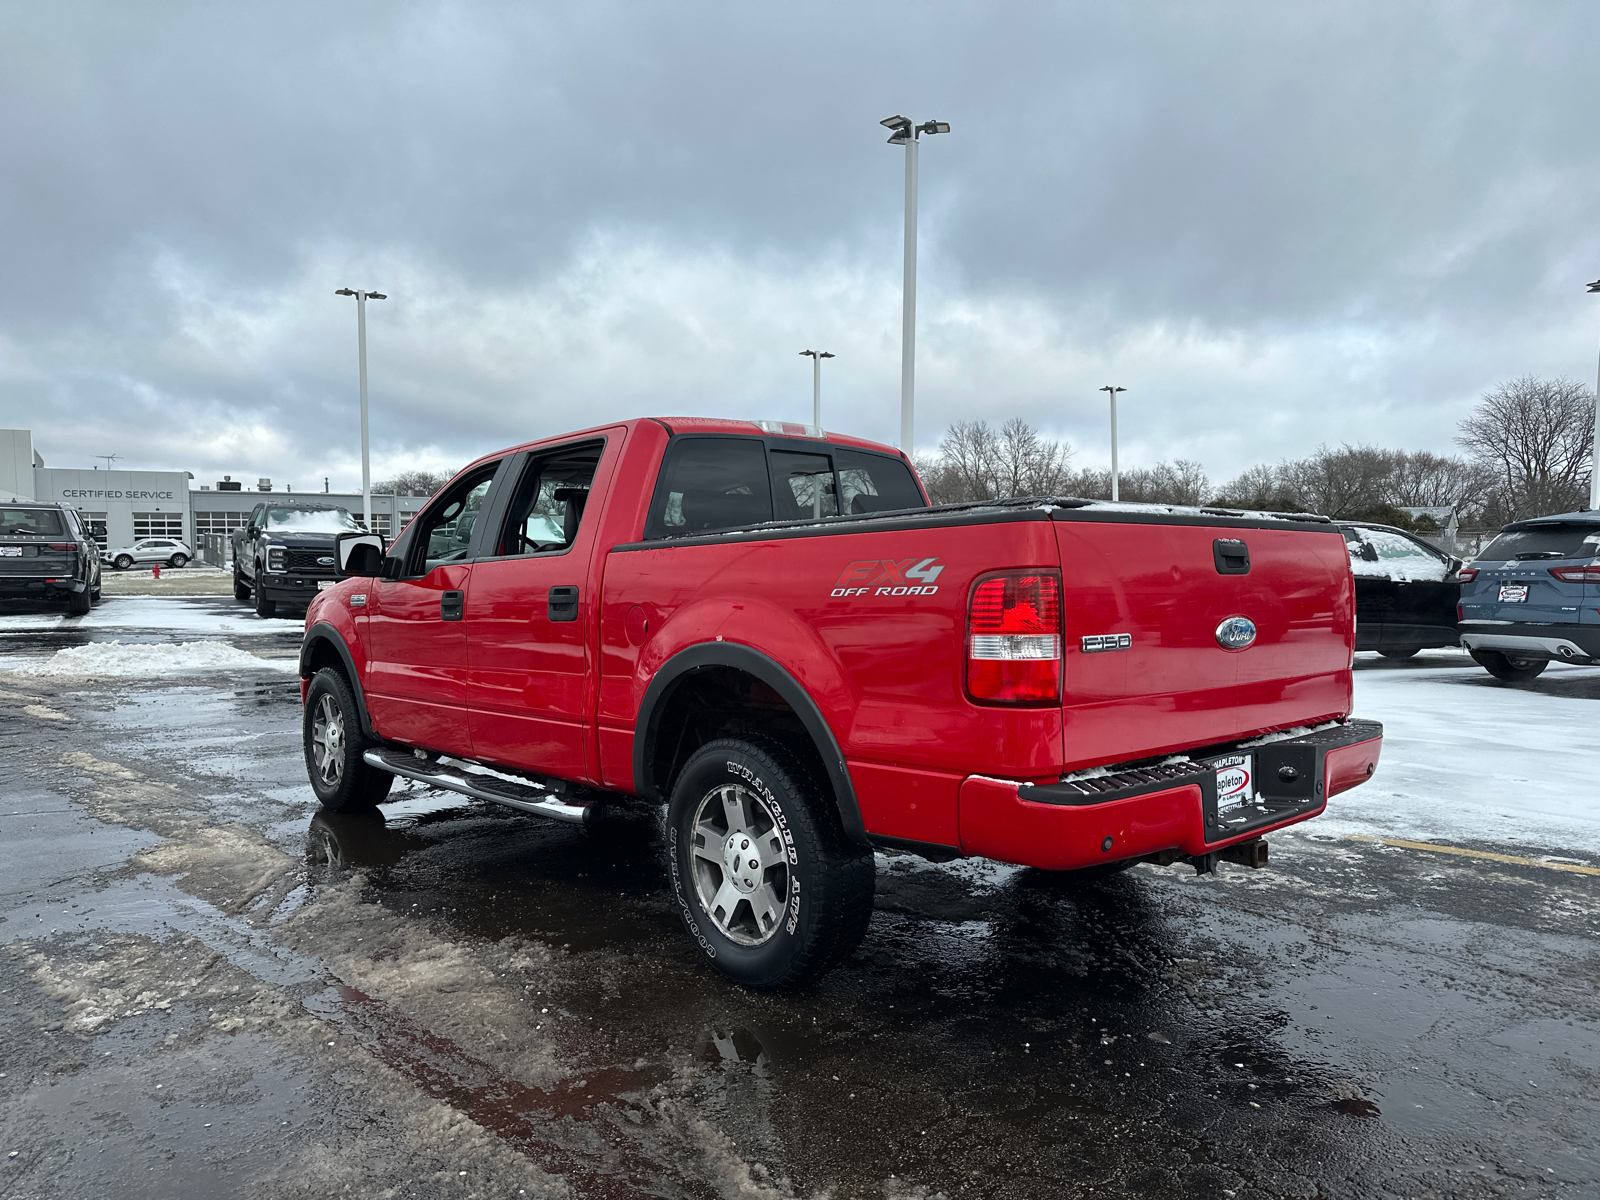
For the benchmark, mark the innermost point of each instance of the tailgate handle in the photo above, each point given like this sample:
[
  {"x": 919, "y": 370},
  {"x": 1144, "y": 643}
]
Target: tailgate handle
[
  {"x": 1231, "y": 556},
  {"x": 450, "y": 606},
  {"x": 563, "y": 604}
]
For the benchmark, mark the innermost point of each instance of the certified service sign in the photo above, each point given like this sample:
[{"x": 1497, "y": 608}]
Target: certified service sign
[{"x": 1236, "y": 633}]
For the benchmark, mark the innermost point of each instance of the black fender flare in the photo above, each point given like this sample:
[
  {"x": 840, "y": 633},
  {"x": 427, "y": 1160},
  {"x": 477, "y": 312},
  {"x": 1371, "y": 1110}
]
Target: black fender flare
[
  {"x": 324, "y": 632},
  {"x": 752, "y": 662}
]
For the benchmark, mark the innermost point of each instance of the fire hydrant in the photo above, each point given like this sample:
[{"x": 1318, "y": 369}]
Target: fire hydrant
[{"x": 156, "y": 572}]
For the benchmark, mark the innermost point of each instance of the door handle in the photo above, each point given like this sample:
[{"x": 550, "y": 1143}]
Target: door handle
[
  {"x": 563, "y": 604},
  {"x": 450, "y": 605}
]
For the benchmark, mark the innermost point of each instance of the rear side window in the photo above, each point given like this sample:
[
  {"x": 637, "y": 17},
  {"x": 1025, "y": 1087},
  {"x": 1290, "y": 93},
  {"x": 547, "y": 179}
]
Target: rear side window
[
  {"x": 1544, "y": 541},
  {"x": 39, "y": 522},
  {"x": 875, "y": 483},
  {"x": 709, "y": 484}
]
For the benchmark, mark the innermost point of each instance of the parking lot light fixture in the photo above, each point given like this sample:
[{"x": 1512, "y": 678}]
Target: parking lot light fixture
[
  {"x": 1113, "y": 391},
  {"x": 361, "y": 357},
  {"x": 905, "y": 132},
  {"x": 1594, "y": 466},
  {"x": 816, "y": 383}
]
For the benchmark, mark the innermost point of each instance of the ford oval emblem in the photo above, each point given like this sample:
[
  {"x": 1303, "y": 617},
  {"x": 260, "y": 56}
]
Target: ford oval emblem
[
  {"x": 325, "y": 561},
  {"x": 1236, "y": 633}
]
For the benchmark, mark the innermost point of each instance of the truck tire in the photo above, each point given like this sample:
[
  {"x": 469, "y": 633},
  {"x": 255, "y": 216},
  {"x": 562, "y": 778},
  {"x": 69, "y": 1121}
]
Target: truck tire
[
  {"x": 241, "y": 589},
  {"x": 333, "y": 741},
  {"x": 804, "y": 905},
  {"x": 264, "y": 607},
  {"x": 1504, "y": 666}
]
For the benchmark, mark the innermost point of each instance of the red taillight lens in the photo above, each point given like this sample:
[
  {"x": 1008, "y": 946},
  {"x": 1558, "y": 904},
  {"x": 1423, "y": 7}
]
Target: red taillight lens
[
  {"x": 1014, "y": 638},
  {"x": 1576, "y": 574},
  {"x": 68, "y": 547},
  {"x": 1467, "y": 574}
]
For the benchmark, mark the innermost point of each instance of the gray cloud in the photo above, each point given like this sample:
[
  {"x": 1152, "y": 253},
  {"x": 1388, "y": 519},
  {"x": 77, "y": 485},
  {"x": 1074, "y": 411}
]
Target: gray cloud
[{"x": 1275, "y": 225}]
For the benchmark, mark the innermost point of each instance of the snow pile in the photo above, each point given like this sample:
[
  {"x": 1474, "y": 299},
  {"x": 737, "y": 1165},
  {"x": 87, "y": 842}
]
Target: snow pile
[{"x": 135, "y": 660}]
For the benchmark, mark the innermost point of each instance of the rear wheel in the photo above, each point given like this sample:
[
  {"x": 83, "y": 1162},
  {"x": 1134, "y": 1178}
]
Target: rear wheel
[
  {"x": 1507, "y": 667},
  {"x": 766, "y": 881},
  {"x": 79, "y": 603},
  {"x": 334, "y": 745},
  {"x": 178, "y": 560},
  {"x": 241, "y": 589},
  {"x": 1400, "y": 651},
  {"x": 122, "y": 562}
]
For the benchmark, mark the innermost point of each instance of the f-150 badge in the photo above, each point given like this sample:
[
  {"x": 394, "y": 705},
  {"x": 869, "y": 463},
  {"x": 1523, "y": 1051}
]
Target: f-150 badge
[
  {"x": 1095, "y": 643},
  {"x": 890, "y": 577}
]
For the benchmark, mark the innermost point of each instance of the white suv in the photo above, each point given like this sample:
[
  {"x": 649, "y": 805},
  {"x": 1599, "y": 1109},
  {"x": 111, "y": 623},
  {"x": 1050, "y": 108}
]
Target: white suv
[{"x": 167, "y": 551}]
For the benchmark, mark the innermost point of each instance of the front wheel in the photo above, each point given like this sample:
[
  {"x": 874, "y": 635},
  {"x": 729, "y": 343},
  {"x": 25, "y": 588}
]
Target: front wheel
[
  {"x": 241, "y": 590},
  {"x": 122, "y": 562},
  {"x": 264, "y": 607},
  {"x": 79, "y": 603},
  {"x": 334, "y": 745},
  {"x": 767, "y": 883},
  {"x": 1505, "y": 666}
]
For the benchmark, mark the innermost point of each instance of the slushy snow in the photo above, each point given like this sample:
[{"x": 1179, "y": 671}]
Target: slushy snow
[{"x": 106, "y": 660}]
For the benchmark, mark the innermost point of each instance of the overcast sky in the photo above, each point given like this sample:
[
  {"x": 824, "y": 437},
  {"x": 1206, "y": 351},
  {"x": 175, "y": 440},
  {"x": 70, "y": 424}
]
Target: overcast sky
[{"x": 1275, "y": 225}]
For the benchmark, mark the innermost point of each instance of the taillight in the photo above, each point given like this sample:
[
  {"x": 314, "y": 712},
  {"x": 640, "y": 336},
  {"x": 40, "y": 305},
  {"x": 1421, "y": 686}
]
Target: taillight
[
  {"x": 67, "y": 547},
  {"x": 1467, "y": 574},
  {"x": 1576, "y": 574},
  {"x": 1014, "y": 638}
]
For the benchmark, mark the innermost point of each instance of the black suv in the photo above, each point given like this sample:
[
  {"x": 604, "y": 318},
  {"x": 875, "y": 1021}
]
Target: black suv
[{"x": 46, "y": 553}]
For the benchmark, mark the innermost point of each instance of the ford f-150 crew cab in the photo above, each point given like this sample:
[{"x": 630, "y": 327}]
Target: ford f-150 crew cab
[{"x": 768, "y": 629}]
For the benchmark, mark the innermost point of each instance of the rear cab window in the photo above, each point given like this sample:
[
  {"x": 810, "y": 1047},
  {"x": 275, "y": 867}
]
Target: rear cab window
[{"x": 710, "y": 483}]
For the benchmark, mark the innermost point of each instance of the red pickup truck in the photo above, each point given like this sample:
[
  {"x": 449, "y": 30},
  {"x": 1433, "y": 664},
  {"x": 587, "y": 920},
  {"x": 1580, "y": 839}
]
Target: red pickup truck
[{"x": 768, "y": 629}]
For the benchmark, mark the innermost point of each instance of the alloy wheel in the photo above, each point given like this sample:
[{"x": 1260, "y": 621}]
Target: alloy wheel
[
  {"x": 327, "y": 741},
  {"x": 741, "y": 867}
]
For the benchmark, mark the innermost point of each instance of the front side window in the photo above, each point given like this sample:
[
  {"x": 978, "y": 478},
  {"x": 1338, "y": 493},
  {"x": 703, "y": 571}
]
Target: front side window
[
  {"x": 550, "y": 500},
  {"x": 444, "y": 529},
  {"x": 711, "y": 483}
]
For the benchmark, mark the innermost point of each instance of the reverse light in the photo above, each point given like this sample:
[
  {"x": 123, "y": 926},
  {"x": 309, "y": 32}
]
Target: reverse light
[
  {"x": 1014, "y": 638},
  {"x": 1467, "y": 574},
  {"x": 1576, "y": 574}
]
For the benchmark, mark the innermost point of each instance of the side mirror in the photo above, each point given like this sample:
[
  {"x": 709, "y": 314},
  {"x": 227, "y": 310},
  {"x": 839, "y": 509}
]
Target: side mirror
[
  {"x": 1369, "y": 552},
  {"x": 358, "y": 555},
  {"x": 1456, "y": 564}
]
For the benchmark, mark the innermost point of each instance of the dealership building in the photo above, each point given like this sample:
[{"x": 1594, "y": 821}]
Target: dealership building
[{"x": 123, "y": 506}]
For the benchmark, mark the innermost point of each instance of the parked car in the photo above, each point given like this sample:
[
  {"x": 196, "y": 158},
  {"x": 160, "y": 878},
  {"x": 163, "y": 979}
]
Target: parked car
[
  {"x": 767, "y": 629},
  {"x": 150, "y": 551},
  {"x": 1533, "y": 596},
  {"x": 46, "y": 553},
  {"x": 285, "y": 553},
  {"x": 1406, "y": 590}
]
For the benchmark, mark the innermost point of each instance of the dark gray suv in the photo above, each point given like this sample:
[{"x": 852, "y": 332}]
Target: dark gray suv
[
  {"x": 46, "y": 553},
  {"x": 1533, "y": 596}
]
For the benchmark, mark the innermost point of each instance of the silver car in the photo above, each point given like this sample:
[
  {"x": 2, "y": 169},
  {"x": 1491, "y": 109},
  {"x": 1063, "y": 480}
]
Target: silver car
[{"x": 158, "y": 551}]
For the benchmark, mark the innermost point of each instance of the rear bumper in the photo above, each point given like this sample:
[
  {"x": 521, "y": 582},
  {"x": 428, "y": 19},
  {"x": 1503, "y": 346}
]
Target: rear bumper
[
  {"x": 1564, "y": 643},
  {"x": 1132, "y": 813},
  {"x": 37, "y": 585}
]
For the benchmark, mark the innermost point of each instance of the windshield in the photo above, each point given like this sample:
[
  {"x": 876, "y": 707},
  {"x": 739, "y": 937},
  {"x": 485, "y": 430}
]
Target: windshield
[
  {"x": 316, "y": 520},
  {"x": 41, "y": 522},
  {"x": 1544, "y": 541}
]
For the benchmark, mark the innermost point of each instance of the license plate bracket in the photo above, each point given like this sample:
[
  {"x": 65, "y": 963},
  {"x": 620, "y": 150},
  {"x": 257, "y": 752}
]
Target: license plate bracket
[
  {"x": 10, "y": 551},
  {"x": 1236, "y": 782},
  {"x": 1513, "y": 593}
]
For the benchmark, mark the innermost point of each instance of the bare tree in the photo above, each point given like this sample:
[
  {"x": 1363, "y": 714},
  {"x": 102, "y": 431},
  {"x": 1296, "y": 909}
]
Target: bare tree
[
  {"x": 412, "y": 483},
  {"x": 1537, "y": 436},
  {"x": 1423, "y": 479},
  {"x": 976, "y": 462},
  {"x": 1258, "y": 488},
  {"x": 1337, "y": 483}
]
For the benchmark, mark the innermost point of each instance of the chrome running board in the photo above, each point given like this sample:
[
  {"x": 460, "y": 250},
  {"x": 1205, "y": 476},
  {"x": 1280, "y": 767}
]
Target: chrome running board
[{"x": 525, "y": 797}]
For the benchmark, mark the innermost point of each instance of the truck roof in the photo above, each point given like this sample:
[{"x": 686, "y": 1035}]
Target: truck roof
[{"x": 728, "y": 425}]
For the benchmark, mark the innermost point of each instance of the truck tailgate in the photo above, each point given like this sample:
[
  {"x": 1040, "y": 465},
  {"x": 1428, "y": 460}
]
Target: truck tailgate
[{"x": 1169, "y": 684}]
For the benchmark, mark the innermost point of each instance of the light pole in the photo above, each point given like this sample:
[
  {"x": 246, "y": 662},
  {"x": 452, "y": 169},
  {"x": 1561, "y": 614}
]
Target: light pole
[
  {"x": 361, "y": 355},
  {"x": 905, "y": 132},
  {"x": 1113, "y": 391},
  {"x": 1594, "y": 467},
  {"x": 816, "y": 383}
]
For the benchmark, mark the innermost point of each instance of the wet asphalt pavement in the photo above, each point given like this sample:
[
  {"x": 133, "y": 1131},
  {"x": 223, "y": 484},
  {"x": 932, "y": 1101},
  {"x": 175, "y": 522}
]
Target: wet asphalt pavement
[{"x": 208, "y": 988}]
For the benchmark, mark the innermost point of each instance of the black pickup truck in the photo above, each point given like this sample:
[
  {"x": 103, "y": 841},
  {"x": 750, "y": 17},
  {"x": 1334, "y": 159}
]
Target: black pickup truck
[{"x": 285, "y": 553}]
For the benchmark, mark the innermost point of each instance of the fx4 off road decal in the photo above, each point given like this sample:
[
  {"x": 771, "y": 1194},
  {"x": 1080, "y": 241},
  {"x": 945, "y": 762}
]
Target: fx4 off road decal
[{"x": 889, "y": 577}]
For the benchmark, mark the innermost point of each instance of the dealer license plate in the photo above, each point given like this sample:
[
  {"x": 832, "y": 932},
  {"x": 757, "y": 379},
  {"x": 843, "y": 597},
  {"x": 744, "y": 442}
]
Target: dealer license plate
[
  {"x": 10, "y": 551},
  {"x": 1236, "y": 781},
  {"x": 1513, "y": 593},
  {"x": 324, "y": 584}
]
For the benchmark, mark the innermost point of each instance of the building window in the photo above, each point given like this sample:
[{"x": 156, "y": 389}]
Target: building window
[
  {"x": 95, "y": 524},
  {"x": 157, "y": 525},
  {"x": 219, "y": 522},
  {"x": 380, "y": 523}
]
